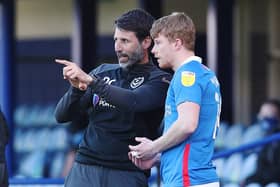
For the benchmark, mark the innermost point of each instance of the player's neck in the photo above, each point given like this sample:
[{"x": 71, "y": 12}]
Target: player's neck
[{"x": 181, "y": 59}]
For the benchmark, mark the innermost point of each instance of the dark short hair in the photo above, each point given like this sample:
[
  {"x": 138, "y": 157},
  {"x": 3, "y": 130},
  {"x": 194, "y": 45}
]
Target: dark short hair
[{"x": 138, "y": 21}]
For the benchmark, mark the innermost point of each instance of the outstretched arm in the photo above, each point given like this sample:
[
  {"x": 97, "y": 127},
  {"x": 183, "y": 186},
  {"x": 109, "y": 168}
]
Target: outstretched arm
[{"x": 148, "y": 96}]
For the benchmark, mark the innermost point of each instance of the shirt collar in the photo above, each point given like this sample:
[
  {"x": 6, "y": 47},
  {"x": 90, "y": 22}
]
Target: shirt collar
[{"x": 193, "y": 58}]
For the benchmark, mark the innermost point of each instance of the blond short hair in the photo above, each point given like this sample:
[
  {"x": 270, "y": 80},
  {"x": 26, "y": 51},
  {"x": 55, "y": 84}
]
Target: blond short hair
[{"x": 176, "y": 25}]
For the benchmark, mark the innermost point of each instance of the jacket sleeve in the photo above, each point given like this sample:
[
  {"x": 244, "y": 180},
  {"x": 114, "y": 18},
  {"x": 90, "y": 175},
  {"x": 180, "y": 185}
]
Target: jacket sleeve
[
  {"x": 73, "y": 106},
  {"x": 148, "y": 96}
]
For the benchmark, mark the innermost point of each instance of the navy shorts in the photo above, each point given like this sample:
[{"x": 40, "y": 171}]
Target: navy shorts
[{"x": 98, "y": 176}]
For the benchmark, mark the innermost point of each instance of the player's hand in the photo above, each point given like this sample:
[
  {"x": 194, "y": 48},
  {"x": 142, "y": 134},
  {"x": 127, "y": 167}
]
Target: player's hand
[
  {"x": 142, "y": 164},
  {"x": 144, "y": 150}
]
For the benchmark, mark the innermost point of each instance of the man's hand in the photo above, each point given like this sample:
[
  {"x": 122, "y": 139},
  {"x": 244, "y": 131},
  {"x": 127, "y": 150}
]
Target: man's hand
[
  {"x": 144, "y": 150},
  {"x": 75, "y": 75},
  {"x": 143, "y": 164}
]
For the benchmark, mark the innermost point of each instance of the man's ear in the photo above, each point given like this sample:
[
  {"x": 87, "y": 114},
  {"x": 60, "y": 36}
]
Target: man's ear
[{"x": 147, "y": 42}]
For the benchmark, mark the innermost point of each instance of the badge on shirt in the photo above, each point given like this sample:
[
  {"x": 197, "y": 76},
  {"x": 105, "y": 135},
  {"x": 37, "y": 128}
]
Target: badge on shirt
[
  {"x": 136, "y": 82},
  {"x": 187, "y": 78},
  {"x": 95, "y": 99}
]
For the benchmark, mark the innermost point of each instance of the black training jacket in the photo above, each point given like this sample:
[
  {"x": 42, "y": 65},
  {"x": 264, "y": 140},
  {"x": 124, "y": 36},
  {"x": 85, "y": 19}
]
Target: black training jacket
[
  {"x": 119, "y": 106},
  {"x": 3, "y": 136}
]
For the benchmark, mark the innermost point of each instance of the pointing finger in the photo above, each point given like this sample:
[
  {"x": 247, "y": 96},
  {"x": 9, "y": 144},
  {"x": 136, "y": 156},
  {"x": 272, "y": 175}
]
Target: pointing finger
[{"x": 64, "y": 62}]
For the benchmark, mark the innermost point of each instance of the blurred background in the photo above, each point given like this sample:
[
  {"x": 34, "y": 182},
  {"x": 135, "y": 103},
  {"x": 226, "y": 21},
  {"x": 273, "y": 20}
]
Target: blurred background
[{"x": 239, "y": 39}]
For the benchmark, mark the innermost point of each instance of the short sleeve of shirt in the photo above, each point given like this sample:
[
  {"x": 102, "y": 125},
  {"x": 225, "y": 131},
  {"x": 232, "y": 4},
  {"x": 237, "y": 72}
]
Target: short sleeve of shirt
[{"x": 187, "y": 86}]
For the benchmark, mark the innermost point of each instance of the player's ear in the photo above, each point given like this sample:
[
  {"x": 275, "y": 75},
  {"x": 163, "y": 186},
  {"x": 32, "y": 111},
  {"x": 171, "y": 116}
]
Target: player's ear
[
  {"x": 178, "y": 43},
  {"x": 147, "y": 42}
]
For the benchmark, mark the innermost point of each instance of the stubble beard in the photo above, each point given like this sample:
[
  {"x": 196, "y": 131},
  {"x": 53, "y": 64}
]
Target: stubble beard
[{"x": 133, "y": 58}]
